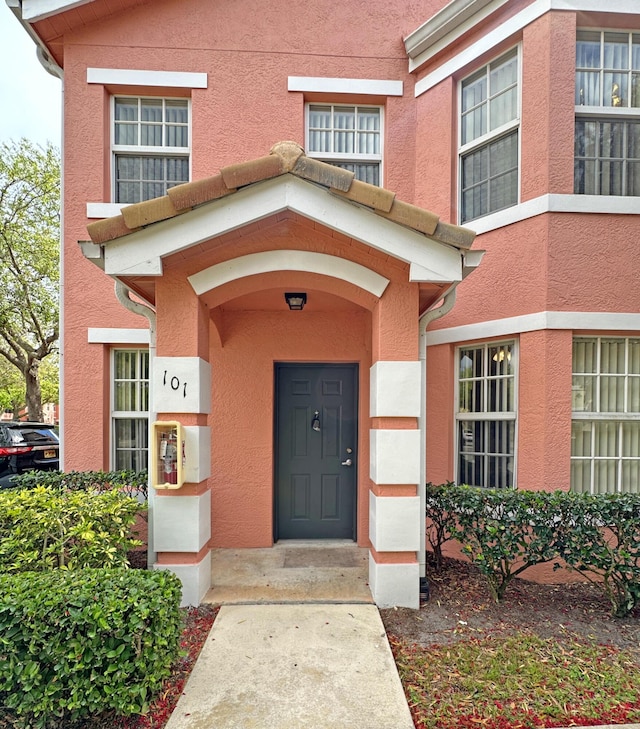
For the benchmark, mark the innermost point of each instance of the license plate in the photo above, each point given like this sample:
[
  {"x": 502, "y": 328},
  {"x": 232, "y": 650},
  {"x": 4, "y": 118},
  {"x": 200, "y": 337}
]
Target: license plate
[{"x": 49, "y": 454}]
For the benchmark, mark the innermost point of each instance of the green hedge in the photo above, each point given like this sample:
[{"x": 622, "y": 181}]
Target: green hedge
[
  {"x": 504, "y": 532},
  {"x": 79, "y": 642},
  {"x": 132, "y": 483},
  {"x": 45, "y": 528}
]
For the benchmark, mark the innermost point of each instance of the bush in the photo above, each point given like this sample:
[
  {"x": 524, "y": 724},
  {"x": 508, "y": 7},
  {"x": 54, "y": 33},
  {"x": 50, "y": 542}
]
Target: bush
[
  {"x": 601, "y": 540},
  {"x": 504, "y": 532},
  {"x": 45, "y": 528},
  {"x": 76, "y": 643},
  {"x": 132, "y": 483},
  {"x": 441, "y": 503}
]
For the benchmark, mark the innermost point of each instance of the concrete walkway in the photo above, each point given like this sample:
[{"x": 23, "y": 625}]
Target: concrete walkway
[
  {"x": 292, "y": 667},
  {"x": 297, "y": 643}
]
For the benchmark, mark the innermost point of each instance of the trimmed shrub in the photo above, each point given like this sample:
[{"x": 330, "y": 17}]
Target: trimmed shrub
[
  {"x": 76, "y": 643},
  {"x": 601, "y": 540},
  {"x": 132, "y": 483},
  {"x": 441, "y": 503},
  {"x": 44, "y": 528},
  {"x": 505, "y": 531}
]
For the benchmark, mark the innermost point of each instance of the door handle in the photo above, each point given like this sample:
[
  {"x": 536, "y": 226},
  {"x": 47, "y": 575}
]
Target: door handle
[{"x": 348, "y": 462}]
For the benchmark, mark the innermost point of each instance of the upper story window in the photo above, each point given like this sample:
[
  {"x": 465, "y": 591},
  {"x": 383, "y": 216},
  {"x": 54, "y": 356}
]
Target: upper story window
[
  {"x": 489, "y": 148},
  {"x": 486, "y": 415},
  {"x": 605, "y": 428},
  {"x": 347, "y": 136},
  {"x": 607, "y": 98},
  {"x": 150, "y": 146}
]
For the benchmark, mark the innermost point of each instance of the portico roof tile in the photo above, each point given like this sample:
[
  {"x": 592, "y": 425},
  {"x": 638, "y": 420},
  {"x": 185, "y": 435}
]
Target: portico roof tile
[{"x": 284, "y": 158}]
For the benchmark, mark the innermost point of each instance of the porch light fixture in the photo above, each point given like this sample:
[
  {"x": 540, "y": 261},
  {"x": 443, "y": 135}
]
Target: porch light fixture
[{"x": 296, "y": 302}]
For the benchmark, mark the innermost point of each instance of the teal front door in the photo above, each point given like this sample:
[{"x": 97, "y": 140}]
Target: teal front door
[{"x": 315, "y": 451}]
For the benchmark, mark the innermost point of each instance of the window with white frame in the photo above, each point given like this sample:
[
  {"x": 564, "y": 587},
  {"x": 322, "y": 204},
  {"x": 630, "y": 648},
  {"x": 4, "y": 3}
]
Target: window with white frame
[
  {"x": 489, "y": 147},
  {"x": 607, "y": 99},
  {"x": 347, "y": 136},
  {"x": 130, "y": 409},
  {"x": 605, "y": 428},
  {"x": 150, "y": 146},
  {"x": 486, "y": 415}
]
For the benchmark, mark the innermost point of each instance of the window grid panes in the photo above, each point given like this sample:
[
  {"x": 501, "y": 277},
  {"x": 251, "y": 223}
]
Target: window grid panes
[
  {"x": 607, "y": 69},
  {"x": 347, "y": 136},
  {"x": 486, "y": 415},
  {"x": 151, "y": 147},
  {"x": 130, "y": 408},
  {"x": 607, "y": 156},
  {"x": 605, "y": 433},
  {"x": 489, "y": 158}
]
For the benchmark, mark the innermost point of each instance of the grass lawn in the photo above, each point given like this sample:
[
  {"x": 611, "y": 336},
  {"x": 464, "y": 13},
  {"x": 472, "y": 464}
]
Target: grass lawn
[{"x": 518, "y": 681}]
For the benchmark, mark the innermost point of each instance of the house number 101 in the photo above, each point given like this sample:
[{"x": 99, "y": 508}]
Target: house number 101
[{"x": 175, "y": 384}]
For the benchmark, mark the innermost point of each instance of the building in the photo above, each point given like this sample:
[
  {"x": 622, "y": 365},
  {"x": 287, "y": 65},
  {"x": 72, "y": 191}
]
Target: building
[{"x": 514, "y": 121}]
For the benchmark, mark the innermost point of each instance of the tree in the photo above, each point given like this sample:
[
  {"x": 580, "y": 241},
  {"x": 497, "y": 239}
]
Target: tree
[
  {"x": 12, "y": 390},
  {"x": 29, "y": 255}
]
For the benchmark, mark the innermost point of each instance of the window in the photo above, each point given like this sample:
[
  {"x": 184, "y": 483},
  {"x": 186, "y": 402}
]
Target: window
[
  {"x": 150, "y": 147},
  {"x": 607, "y": 98},
  {"x": 130, "y": 409},
  {"x": 605, "y": 429},
  {"x": 347, "y": 136},
  {"x": 486, "y": 415},
  {"x": 489, "y": 147}
]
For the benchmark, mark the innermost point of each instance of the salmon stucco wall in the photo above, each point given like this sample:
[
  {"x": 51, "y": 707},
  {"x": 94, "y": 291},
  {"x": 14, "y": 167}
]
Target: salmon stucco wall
[
  {"x": 440, "y": 404},
  {"x": 544, "y": 411},
  {"x": 247, "y": 41}
]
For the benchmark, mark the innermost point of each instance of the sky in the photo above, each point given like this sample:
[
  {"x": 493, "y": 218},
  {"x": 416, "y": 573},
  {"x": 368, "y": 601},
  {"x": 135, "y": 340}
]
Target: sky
[{"x": 30, "y": 98}]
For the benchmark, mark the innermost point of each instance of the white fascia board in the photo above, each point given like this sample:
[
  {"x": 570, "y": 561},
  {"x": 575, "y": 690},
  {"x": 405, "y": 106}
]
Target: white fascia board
[
  {"x": 450, "y": 23},
  {"x": 371, "y": 87},
  {"x": 502, "y": 33},
  {"x": 438, "y": 260},
  {"x": 104, "y": 210},
  {"x": 511, "y": 326},
  {"x": 131, "y": 253},
  {"x": 288, "y": 260},
  {"x": 35, "y": 10},
  {"x": 97, "y": 335},
  {"x": 134, "y": 77},
  {"x": 485, "y": 44}
]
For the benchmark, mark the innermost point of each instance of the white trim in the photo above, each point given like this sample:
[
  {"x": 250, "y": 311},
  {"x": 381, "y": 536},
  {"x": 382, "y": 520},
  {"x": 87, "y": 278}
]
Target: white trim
[
  {"x": 288, "y": 260},
  {"x": 501, "y": 33},
  {"x": 370, "y": 87},
  {"x": 135, "y": 77},
  {"x": 142, "y": 251},
  {"x": 569, "y": 320},
  {"x": 554, "y": 203},
  {"x": 96, "y": 335},
  {"x": 104, "y": 210},
  {"x": 484, "y": 45},
  {"x": 35, "y": 10},
  {"x": 447, "y": 25}
]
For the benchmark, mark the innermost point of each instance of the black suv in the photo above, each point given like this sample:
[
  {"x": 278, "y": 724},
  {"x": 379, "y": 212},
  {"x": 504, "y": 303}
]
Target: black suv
[{"x": 27, "y": 447}]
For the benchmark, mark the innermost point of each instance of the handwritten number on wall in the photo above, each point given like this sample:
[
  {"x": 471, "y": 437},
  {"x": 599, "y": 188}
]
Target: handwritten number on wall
[{"x": 175, "y": 384}]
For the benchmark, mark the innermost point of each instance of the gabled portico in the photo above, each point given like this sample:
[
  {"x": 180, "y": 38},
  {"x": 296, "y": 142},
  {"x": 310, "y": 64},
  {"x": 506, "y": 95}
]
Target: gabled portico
[{"x": 291, "y": 417}]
